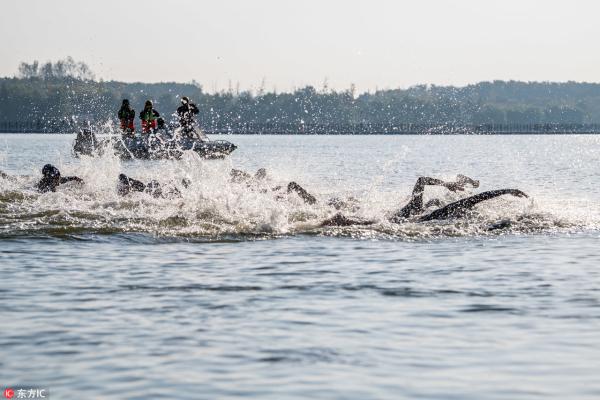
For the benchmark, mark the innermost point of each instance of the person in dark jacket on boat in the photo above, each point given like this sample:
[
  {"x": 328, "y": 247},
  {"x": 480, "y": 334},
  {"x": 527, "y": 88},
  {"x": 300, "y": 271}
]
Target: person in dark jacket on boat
[
  {"x": 51, "y": 179},
  {"x": 127, "y": 116},
  {"x": 149, "y": 117},
  {"x": 186, "y": 113}
]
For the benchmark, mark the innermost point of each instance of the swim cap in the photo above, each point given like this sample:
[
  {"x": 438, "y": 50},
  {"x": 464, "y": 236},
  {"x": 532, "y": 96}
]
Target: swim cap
[{"x": 50, "y": 171}]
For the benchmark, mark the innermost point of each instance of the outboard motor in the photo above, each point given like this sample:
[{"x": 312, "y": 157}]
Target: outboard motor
[{"x": 85, "y": 142}]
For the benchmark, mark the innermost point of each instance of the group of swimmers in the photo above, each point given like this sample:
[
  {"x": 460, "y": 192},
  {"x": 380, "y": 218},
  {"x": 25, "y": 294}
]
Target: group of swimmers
[
  {"x": 150, "y": 118},
  {"x": 414, "y": 210}
]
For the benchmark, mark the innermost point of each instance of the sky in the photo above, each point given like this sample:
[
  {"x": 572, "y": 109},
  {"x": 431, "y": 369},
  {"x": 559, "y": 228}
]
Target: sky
[{"x": 281, "y": 44}]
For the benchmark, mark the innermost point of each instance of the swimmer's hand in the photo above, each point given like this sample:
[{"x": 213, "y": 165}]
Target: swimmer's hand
[
  {"x": 517, "y": 193},
  {"x": 454, "y": 186},
  {"x": 466, "y": 180}
]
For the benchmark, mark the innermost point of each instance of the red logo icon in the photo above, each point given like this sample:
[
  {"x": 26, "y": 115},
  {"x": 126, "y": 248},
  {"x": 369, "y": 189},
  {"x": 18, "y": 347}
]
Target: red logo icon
[{"x": 9, "y": 393}]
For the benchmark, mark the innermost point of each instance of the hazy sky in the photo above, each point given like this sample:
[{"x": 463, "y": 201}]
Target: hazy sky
[{"x": 372, "y": 43}]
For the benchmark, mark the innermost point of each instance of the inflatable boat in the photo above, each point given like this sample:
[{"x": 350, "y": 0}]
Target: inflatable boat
[{"x": 161, "y": 144}]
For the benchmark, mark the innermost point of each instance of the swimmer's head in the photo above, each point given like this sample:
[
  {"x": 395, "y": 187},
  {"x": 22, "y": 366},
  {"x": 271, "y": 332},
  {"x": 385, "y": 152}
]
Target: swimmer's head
[
  {"x": 51, "y": 176},
  {"x": 50, "y": 171}
]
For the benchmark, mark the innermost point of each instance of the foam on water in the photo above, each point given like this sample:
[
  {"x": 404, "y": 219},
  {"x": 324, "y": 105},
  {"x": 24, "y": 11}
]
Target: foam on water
[{"x": 214, "y": 208}]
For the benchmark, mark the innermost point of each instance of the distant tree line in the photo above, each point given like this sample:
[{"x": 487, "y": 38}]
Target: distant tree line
[{"x": 54, "y": 92}]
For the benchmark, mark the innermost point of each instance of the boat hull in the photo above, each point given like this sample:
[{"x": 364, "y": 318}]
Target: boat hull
[{"x": 151, "y": 147}]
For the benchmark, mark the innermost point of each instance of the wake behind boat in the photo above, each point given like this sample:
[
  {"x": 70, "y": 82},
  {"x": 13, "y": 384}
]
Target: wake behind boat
[{"x": 162, "y": 144}]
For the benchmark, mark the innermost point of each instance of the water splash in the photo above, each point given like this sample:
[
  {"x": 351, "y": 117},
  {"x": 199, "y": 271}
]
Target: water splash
[{"x": 212, "y": 207}]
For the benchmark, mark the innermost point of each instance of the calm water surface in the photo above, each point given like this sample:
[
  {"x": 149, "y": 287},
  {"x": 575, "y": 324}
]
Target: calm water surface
[{"x": 237, "y": 291}]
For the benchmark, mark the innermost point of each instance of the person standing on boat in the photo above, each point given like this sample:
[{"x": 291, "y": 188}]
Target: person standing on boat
[
  {"x": 186, "y": 113},
  {"x": 149, "y": 117},
  {"x": 127, "y": 116}
]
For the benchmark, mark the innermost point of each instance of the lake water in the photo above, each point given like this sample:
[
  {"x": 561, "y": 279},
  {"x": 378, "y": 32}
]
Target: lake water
[{"x": 235, "y": 290}]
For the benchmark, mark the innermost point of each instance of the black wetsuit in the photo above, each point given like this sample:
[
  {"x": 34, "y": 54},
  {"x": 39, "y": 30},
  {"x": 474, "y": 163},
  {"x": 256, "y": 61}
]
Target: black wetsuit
[
  {"x": 49, "y": 184},
  {"x": 458, "y": 208},
  {"x": 452, "y": 210},
  {"x": 127, "y": 185},
  {"x": 304, "y": 195},
  {"x": 415, "y": 206}
]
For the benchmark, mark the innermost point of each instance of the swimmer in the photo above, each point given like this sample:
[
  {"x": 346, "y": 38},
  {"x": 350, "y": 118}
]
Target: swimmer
[
  {"x": 239, "y": 176},
  {"x": 128, "y": 185},
  {"x": 415, "y": 205},
  {"x": 51, "y": 179}
]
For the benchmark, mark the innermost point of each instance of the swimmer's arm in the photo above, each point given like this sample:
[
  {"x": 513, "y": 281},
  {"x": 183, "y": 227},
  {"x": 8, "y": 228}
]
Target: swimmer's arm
[
  {"x": 458, "y": 207},
  {"x": 304, "y": 195},
  {"x": 66, "y": 179},
  {"x": 425, "y": 180},
  {"x": 428, "y": 181},
  {"x": 478, "y": 198}
]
